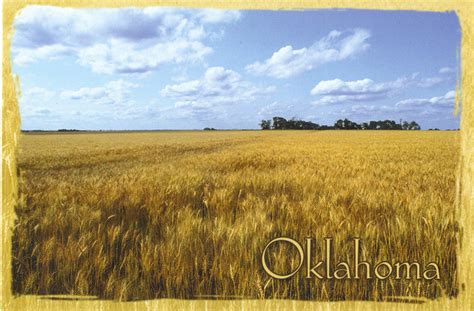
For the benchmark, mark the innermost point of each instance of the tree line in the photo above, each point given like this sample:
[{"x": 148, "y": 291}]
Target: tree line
[{"x": 279, "y": 123}]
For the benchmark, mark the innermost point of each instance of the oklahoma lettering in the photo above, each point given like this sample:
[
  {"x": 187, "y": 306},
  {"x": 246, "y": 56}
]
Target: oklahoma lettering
[{"x": 357, "y": 269}]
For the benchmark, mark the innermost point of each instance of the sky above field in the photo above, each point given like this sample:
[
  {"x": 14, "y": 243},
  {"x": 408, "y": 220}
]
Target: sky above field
[{"x": 165, "y": 68}]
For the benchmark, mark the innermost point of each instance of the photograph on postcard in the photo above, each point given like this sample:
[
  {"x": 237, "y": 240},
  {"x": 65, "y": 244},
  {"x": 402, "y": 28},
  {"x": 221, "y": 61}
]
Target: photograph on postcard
[{"x": 237, "y": 154}]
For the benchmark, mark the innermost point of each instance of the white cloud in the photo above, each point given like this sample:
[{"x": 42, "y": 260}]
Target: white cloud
[
  {"x": 218, "y": 86},
  {"x": 429, "y": 82},
  {"x": 276, "y": 109},
  {"x": 338, "y": 91},
  {"x": 210, "y": 16},
  {"x": 444, "y": 101},
  {"x": 114, "y": 92},
  {"x": 446, "y": 70},
  {"x": 85, "y": 93},
  {"x": 364, "y": 86},
  {"x": 124, "y": 57},
  {"x": 24, "y": 56},
  {"x": 288, "y": 62},
  {"x": 110, "y": 41}
]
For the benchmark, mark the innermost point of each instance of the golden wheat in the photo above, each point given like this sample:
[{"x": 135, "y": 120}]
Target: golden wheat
[{"x": 187, "y": 214}]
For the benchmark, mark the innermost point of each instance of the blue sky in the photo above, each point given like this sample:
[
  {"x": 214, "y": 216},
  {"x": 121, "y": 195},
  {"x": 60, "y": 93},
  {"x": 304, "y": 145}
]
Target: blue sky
[{"x": 166, "y": 68}]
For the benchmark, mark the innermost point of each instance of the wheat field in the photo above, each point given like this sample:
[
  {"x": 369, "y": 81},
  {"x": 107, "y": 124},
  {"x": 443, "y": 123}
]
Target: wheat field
[{"x": 186, "y": 214}]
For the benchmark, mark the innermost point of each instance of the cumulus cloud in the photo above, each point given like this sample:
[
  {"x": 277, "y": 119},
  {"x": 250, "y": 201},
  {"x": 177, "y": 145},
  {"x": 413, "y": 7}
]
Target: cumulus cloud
[
  {"x": 444, "y": 101},
  {"x": 337, "y": 91},
  {"x": 114, "y": 92},
  {"x": 24, "y": 56},
  {"x": 111, "y": 41},
  {"x": 288, "y": 62},
  {"x": 218, "y": 86},
  {"x": 124, "y": 57}
]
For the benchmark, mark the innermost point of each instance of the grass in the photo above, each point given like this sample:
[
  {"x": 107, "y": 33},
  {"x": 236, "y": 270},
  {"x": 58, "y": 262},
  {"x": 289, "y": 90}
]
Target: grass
[{"x": 187, "y": 214}]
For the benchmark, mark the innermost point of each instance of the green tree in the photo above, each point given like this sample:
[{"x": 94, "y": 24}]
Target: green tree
[
  {"x": 280, "y": 123},
  {"x": 414, "y": 126},
  {"x": 266, "y": 124}
]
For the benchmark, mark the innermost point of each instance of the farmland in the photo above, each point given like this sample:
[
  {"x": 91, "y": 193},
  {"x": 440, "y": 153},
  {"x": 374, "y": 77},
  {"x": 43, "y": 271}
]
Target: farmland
[{"x": 186, "y": 214}]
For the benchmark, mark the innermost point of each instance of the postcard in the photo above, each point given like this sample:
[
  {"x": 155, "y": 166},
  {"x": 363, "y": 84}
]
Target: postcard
[{"x": 180, "y": 156}]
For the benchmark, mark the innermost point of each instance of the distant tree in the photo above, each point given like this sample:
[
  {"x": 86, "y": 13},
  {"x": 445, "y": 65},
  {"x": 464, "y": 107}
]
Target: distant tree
[
  {"x": 292, "y": 124},
  {"x": 414, "y": 126},
  {"x": 295, "y": 124},
  {"x": 209, "y": 129},
  {"x": 266, "y": 124},
  {"x": 373, "y": 125},
  {"x": 390, "y": 125},
  {"x": 308, "y": 125},
  {"x": 339, "y": 124},
  {"x": 346, "y": 124},
  {"x": 279, "y": 123}
]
